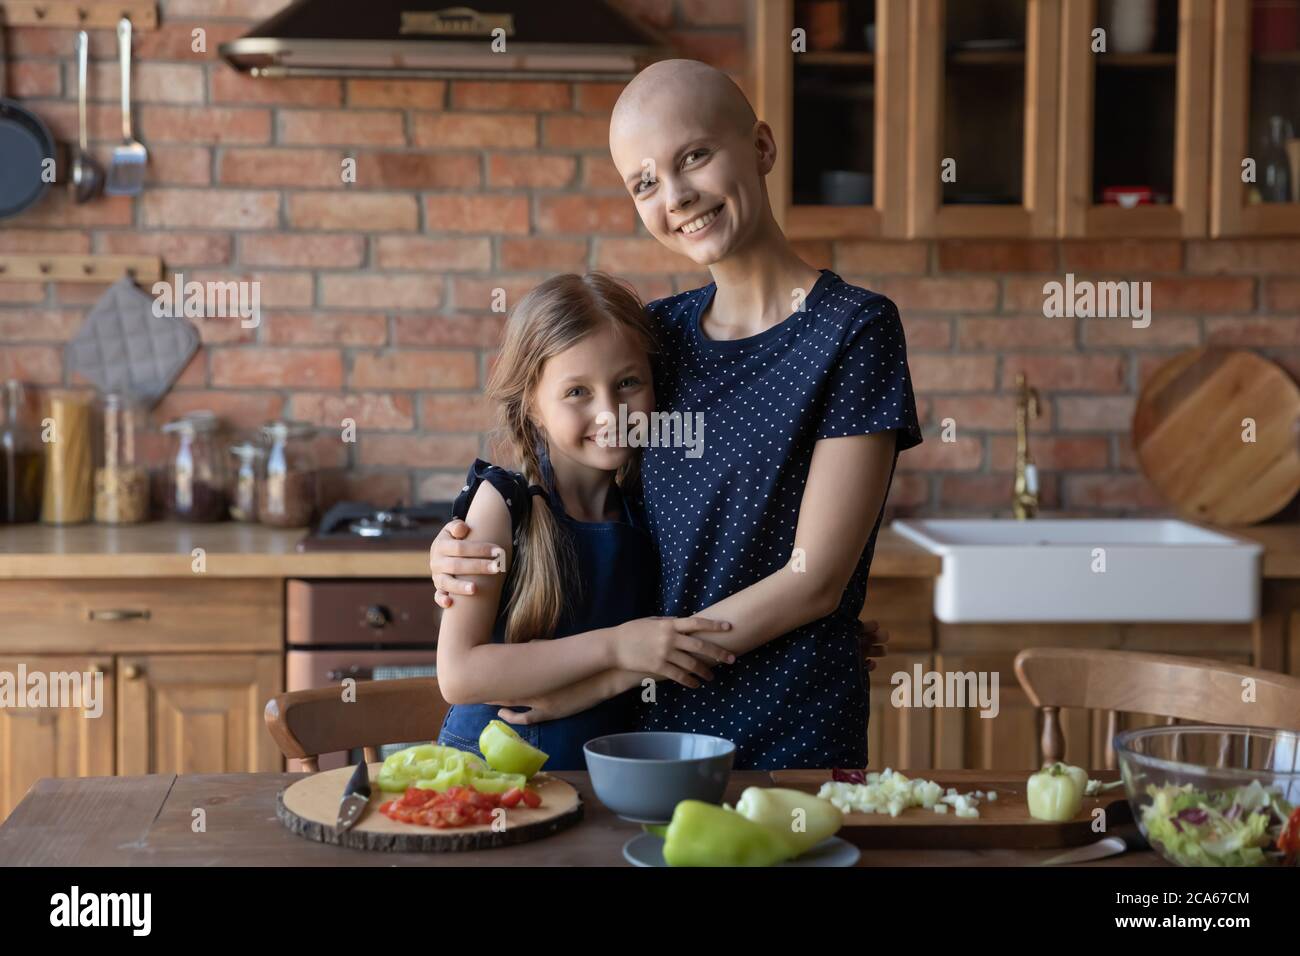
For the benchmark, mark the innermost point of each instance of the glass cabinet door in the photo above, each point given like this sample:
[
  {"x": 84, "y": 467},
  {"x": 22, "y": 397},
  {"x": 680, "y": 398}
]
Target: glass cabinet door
[
  {"x": 1256, "y": 175},
  {"x": 983, "y": 84},
  {"x": 1134, "y": 117},
  {"x": 828, "y": 77}
]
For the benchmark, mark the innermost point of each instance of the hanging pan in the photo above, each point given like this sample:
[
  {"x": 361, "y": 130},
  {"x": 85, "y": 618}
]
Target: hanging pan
[{"x": 25, "y": 145}]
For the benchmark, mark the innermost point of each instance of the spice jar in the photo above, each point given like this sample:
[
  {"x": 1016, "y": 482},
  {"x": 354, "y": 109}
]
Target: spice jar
[
  {"x": 22, "y": 458},
  {"x": 67, "y": 497},
  {"x": 194, "y": 480},
  {"x": 121, "y": 482},
  {"x": 243, "y": 489},
  {"x": 286, "y": 495}
]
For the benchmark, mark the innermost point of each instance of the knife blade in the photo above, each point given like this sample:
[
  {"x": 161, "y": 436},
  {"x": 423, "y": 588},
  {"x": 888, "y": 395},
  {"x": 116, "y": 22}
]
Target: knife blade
[
  {"x": 1120, "y": 841},
  {"x": 356, "y": 797}
]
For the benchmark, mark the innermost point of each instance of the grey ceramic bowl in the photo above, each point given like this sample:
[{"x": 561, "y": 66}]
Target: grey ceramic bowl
[{"x": 643, "y": 776}]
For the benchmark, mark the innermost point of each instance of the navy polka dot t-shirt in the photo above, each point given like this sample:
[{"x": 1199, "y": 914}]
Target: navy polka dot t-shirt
[{"x": 726, "y": 519}]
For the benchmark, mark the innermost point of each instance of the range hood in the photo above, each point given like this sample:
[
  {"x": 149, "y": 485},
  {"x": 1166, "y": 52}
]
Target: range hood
[{"x": 511, "y": 39}]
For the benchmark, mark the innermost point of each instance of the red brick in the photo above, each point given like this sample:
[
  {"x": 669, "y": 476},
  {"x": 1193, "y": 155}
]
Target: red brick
[
  {"x": 1114, "y": 492},
  {"x": 433, "y": 255},
  {"x": 881, "y": 258},
  {"x": 1244, "y": 256},
  {"x": 228, "y": 86},
  {"x": 940, "y": 295},
  {"x": 441, "y": 485},
  {"x": 306, "y": 368},
  {"x": 342, "y": 127},
  {"x": 641, "y": 256},
  {"x": 323, "y": 252},
  {"x": 32, "y": 241},
  {"x": 387, "y": 488},
  {"x": 373, "y": 212},
  {"x": 32, "y": 79},
  {"x": 1028, "y": 332},
  {"x": 994, "y": 491},
  {"x": 952, "y": 373},
  {"x": 239, "y": 409},
  {"x": 281, "y": 167},
  {"x": 995, "y": 413},
  {"x": 58, "y": 211},
  {"x": 415, "y": 370},
  {"x": 1282, "y": 295},
  {"x": 1083, "y": 373},
  {"x": 39, "y": 324},
  {"x": 989, "y": 255},
  {"x": 1163, "y": 331},
  {"x": 1057, "y": 454},
  {"x": 277, "y": 290},
  {"x": 474, "y": 130},
  {"x": 908, "y": 495},
  {"x": 964, "y": 454},
  {"x": 1087, "y": 414},
  {"x": 479, "y": 295},
  {"x": 575, "y": 132},
  {"x": 103, "y": 122},
  {"x": 585, "y": 214},
  {"x": 211, "y": 124},
  {"x": 457, "y": 413},
  {"x": 483, "y": 331},
  {"x": 1025, "y": 293},
  {"x": 179, "y": 166},
  {"x": 1121, "y": 256},
  {"x": 150, "y": 82},
  {"x": 726, "y": 51},
  {"x": 485, "y": 214},
  {"x": 928, "y": 333},
  {"x": 418, "y": 451},
  {"x": 544, "y": 255},
  {"x": 176, "y": 248},
  {"x": 600, "y": 175},
  {"x": 403, "y": 94},
  {"x": 243, "y": 9},
  {"x": 1187, "y": 294},
  {"x": 210, "y": 209},
  {"x": 597, "y": 97},
  {"x": 370, "y": 410},
  {"x": 713, "y": 13},
  {"x": 325, "y": 328},
  {"x": 171, "y": 40},
  {"x": 220, "y": 330},
  {"x": 381, "y": 170},
  {"x": 510, "y": 95},
  {"x": 1252, "y": 332},
  {"x": 530, "y": 169},
  {"x": 374, "y": 291}
]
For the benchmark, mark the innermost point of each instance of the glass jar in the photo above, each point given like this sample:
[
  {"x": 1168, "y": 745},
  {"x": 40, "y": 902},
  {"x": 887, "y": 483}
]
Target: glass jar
[
  {"x": 121, "y": 482},
  {"x": 286, "y": 495},
  {"x": 68, "y": 486},
  {"x": 194, "y": 482},
  {"x": 246, "y": 468},
  {"x": 22, "y": 457}
]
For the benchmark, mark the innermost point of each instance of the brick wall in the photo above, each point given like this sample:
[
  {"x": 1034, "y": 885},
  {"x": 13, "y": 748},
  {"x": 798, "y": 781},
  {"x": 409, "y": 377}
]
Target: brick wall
[{"x": 376, "y": 295}]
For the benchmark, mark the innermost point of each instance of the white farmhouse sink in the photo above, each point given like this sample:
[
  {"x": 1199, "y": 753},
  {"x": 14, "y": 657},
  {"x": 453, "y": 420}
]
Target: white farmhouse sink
[{"x": 1049, "y": 570}]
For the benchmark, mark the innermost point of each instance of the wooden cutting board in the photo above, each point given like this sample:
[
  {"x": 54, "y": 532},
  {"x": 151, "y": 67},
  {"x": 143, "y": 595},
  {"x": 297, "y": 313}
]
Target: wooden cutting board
[
  {"x": 310, "y": 808},
  {"x": 1003, "y": 823},
  {"x": 1187, "y": 434}
]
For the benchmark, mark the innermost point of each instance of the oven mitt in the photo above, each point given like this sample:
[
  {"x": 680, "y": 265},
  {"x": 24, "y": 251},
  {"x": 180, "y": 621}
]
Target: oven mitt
[{"x": 123, "y": 347}]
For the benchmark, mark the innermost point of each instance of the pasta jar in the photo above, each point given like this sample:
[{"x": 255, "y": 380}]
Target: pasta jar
[
  {"x": 194, "y": 480},
  {"x": 246, "y": 465},
  {"x": 121, "y": 482},
  {"x": 286, "y": 496}
]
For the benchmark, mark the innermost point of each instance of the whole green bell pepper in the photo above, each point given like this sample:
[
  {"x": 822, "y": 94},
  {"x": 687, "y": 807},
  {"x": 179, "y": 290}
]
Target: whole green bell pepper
[{"x": 701, "y": 834}]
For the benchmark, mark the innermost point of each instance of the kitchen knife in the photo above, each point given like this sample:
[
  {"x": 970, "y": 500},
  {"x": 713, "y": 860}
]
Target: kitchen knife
[
  {"x": 356, "y": 797},
  {"x": 1122, "y": 839}
]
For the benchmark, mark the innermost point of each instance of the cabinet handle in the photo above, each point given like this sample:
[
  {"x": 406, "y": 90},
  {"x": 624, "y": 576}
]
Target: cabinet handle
[
  {"x": 132, "y": 671},
  {"x": 118, "y": 614}
]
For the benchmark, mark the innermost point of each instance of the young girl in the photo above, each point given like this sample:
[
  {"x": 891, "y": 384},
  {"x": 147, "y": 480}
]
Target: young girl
[{"x": 580, "y": 563}]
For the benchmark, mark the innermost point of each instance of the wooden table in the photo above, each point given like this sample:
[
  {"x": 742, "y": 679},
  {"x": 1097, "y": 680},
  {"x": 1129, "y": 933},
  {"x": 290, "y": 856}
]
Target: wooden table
[{"x": 147, "y": 821}]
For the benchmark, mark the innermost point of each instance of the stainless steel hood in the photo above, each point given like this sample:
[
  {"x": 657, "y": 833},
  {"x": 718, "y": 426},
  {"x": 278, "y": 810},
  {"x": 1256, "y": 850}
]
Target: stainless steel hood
[{"x": 511, "y": 39}]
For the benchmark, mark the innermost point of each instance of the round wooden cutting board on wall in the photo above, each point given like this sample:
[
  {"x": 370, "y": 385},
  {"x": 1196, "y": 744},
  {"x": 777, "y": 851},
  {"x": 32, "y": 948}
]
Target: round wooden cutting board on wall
[{"x": 1188, "y": 433}]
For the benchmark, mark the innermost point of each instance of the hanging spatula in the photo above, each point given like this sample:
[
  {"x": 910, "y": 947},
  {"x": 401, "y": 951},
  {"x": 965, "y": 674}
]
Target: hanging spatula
[{"x": 126, "y": 173}]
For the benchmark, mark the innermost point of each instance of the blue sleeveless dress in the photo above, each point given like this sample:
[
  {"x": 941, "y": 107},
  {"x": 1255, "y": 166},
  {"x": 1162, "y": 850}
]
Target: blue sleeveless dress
[{"x": 618, "y": 571}]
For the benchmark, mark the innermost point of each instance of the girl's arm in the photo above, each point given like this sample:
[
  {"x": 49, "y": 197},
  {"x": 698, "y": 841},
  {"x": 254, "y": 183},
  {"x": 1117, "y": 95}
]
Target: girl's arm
[{"x": 842, "y": 501}]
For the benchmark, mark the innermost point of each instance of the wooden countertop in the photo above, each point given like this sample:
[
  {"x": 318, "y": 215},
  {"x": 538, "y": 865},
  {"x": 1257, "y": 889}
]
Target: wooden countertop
[
  {"x": 233, "y": 550},
  {"x": 146, "y": 821}
]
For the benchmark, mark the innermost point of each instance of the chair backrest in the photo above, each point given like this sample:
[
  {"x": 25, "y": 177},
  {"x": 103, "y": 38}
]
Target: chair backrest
[
  {"x": 1165, "y": 685},
  {"x": 307, "y": 723}
]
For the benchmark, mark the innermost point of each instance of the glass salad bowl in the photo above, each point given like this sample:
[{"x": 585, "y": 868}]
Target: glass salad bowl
[{"x": 1215, "y": 795}]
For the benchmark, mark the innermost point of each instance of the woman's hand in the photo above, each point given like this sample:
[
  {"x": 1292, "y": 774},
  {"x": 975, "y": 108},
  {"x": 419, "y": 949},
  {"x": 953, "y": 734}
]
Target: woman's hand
[
  {"x": 450, "y": 555},
  {"x": 564, "y": 702},
  {"x": 668, "y": 647},
  {"x": 874, "y": 640}
]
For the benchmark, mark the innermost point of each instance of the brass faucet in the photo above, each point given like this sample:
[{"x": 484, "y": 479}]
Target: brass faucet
[{"x": 1024, "y": 502}]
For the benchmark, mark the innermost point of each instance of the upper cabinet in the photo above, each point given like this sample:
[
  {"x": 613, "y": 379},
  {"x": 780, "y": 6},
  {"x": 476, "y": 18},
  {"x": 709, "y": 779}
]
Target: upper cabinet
[
  {"x": 1256, "y": 103},
  {"x": 1034, "y": 118}
]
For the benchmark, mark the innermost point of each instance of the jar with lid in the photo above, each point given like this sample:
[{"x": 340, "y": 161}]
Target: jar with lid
[
  {"x": 121, "y": 481},
  {"x": 286, "y": 495},
  {"x": 246, "y": 469},
  {"x": 22, "y": 457},
  {"x": 194, "y": 479},
  {"x": 68, "y": 461}
]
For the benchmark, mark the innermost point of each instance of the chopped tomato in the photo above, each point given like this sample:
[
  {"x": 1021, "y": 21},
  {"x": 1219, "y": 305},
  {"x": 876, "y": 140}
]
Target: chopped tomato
[
  {"x": 456, "y": 807},
  {"x": 532, "y": 799}
]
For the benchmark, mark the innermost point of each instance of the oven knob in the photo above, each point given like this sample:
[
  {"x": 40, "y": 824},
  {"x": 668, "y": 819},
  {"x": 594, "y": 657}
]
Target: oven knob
[{"x": 378, "y": 616}]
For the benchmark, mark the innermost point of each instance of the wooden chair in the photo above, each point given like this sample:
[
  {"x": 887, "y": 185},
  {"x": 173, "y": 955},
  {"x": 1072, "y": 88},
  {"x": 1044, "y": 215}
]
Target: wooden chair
[
  {"x": 307, "y": 723},
  {"x": 1177, "y": 688}
]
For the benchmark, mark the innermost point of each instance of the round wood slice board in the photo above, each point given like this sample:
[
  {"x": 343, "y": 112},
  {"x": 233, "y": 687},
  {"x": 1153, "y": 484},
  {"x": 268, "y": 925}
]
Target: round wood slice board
[
  {"x": 1187, "y": 433},
  {"x": 310, "y": 808}
]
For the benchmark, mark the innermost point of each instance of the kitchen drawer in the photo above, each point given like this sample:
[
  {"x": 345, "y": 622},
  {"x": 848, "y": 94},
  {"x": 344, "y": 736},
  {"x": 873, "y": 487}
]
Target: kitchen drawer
[{"x": 130, "y": 615}]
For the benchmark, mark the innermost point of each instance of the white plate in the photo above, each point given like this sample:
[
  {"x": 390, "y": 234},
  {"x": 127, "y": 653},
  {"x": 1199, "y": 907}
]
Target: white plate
[{"x": 646, "y": 849}]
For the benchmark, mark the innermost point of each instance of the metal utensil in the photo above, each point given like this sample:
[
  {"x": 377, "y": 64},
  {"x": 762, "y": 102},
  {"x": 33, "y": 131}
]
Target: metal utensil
[
  {"x": 126, "y": 173},
  {"x": 356, "y": 797},
  {"x": 87, "y": 174}
]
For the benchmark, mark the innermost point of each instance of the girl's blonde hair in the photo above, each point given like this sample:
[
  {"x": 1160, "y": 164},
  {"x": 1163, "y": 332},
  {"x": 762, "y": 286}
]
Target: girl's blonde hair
[{"x": 550, "y": 319}]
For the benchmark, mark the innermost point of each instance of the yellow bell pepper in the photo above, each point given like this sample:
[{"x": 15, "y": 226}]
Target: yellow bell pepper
[
  {"x": 1055, "y": 793},
  {"x": 800, "y": 819}
]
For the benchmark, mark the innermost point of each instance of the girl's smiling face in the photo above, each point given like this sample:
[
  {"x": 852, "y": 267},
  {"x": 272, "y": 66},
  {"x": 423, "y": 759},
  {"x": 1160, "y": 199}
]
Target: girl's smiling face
[{"x": 606, "y": 369}]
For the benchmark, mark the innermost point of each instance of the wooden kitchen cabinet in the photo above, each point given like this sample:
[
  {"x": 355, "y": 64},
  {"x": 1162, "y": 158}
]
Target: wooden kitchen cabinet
[
  {"x": 1136, "y": 119},
  {"x": 193, "y": 713},
  {"x": 1256, "y": 78}
]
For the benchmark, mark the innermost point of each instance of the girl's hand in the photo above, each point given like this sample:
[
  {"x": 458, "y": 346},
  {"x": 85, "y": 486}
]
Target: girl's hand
[
  {"x": 874, "y": 640},
  {"x": 565, "y": 702},
  {"x": 450, "y": 555},
  {"x": 666, "y": 646}
]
